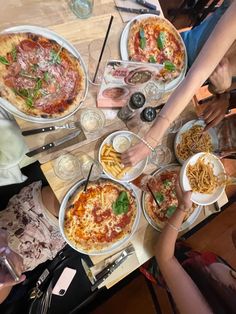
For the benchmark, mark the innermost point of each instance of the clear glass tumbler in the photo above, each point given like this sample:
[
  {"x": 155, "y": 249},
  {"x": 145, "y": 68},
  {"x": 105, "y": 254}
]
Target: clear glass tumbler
[
  {"x": 67, "y": 167},
  {"x": 161, "y": 156},
  {"x": 82, "y": 8}
]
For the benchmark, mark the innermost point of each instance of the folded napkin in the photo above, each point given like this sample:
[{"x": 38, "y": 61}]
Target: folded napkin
[{"x": 12, "y": 150}]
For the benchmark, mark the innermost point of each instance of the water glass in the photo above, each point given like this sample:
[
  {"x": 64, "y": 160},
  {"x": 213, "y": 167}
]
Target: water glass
[
  {"x": 82, "y": 8},
  {"x": 95, "y": 48},
  {"x": 86, "y": 165},
  {"x": 161, "y": 156},
  {"x": 67, "y": 167},
  {"x": 92, "y": 120},
  {"x": 154, "y": 91},
  {"x": 175, "y": 126}
]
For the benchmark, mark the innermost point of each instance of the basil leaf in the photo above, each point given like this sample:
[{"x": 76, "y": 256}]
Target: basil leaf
[
  {"x": 159, "y": 197},
  {"x": 167, "y": 183},
  {"x": 21, "y": 92},
  {"x": 54, "y": 56},
  {"x": 142, "y": 43},
  {"x": 14, "y": 54},
  {"x": 141, "y": 33},
  {"x": 46, "y": 76},
  {"x": 29, "y": 101},
  {"x": 121, "y": 205},
  {"x": 152, "y": 59},
  {"x": 170, "y": 210},
  {"x": 3, "y": 60},
  {"x": 161, "y": 40},
  {"x": 169, "y": 66}
]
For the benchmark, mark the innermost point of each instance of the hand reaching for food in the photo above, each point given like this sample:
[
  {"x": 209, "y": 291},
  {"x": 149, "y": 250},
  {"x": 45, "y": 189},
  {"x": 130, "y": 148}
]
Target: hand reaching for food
[
  {"x": 135, "y": 154},
  {"x": 184, "y": 198}
]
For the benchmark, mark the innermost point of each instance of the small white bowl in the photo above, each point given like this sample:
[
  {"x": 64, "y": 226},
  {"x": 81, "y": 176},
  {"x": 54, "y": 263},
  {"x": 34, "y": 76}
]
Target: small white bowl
[
  {"x": 121, "y": 143},
  {"x": 218, "y": 168}
]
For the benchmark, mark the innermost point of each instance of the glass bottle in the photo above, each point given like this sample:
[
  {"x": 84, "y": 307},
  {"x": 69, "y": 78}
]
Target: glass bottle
[{"x": 137, "y": 101}]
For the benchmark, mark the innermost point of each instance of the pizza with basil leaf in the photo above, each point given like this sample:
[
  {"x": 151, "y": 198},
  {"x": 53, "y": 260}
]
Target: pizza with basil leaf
[
  {"x": 38, "y": 76},
  {"x": 101, "y": 216},
  {"x": 155, "y": 40}
]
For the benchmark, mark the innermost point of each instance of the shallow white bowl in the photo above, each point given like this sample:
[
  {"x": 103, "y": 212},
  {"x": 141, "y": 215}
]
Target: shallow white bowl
[{"x": 218, "y": 168}]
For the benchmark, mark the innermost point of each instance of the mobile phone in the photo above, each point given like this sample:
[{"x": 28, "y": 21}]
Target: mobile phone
[
  {"x": 9, "y": 267},
  {"x": 64, "y": 281}
]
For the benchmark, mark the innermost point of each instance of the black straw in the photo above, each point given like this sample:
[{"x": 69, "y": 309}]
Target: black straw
[
  {"x": 103, "y": 47},
  {"x": 87, "y": 180}
]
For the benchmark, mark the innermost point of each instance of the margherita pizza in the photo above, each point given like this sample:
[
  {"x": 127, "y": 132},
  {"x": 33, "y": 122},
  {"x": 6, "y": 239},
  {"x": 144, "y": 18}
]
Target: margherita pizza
[
  {"x": 163, "y": 187},
  {"x": 101, "y": 216},
  {"x": 155, "y": 40},
  {"x": 38, "y": 76}
]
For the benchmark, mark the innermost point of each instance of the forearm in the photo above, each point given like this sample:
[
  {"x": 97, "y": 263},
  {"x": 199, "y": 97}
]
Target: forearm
[{"x": 4, "y": 292}]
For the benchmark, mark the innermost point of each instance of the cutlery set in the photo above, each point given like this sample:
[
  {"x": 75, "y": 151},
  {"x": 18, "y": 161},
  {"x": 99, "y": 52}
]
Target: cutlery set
[
  {"x": 69, "y": 126},
  {"x": 98, "y": 279},
  {"x": 150, "y": 8}
]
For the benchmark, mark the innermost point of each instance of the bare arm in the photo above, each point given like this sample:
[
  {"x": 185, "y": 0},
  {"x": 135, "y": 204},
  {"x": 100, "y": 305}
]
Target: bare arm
[{"x": 186, "y": 294}]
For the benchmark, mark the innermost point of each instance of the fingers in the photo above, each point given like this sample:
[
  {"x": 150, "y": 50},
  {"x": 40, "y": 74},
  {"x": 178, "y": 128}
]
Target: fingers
[{"x": 11, "y": 283}]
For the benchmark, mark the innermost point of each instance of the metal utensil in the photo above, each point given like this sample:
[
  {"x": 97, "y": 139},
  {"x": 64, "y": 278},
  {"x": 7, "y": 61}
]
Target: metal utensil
[
  {"x": 146, "y": 4},
  {"x": 150, "y": 190},
  {"x": 87, "y": 180},
  {"x": 53, "y": 144},
  {"x": 70, "y": 125},
  {"x": 137, "y": 11},
  {"x": 110, "y": 268}
]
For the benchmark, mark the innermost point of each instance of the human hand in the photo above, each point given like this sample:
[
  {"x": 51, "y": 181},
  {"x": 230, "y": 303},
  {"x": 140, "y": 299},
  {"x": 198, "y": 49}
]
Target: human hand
[
  {"x": 215, "y": 110},
  {"x": 221, "y": 78},
  {"x": 184, "y": 198},
  {"x": 135, "y": 154},
  {"x": 16, "y": 260}
]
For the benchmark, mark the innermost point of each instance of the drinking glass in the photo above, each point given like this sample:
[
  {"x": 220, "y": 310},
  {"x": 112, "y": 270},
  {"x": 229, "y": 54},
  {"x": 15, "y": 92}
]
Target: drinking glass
[
  {"x": 95, "y": 48},
  {"x": 86, "y": 162},
  {"x": 175, "y": 126},
  {"x": 154, "y": 91},
  {"x": 82, "y": 8},
  {"x": 92, "y": 120},
  {"x": 67, "y": 167},
  {"x": 161, "y": 156}
]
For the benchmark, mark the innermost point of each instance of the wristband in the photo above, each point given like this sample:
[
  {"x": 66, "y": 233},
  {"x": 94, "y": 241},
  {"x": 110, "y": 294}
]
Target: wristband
[{"x": 146, "y": 143}]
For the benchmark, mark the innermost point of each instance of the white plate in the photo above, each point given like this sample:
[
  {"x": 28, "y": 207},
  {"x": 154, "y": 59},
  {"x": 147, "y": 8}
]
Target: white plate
[
  {"x": 191, "y": 219},
  {"x": 133, "y": 173},
  {"x": 64, "y": 43},
  {"x": 116, "y": 245},
  {"x": 124, "y": 49},
  {"x": 218, "y": 169},
  {"x": 187, "y": 126}
]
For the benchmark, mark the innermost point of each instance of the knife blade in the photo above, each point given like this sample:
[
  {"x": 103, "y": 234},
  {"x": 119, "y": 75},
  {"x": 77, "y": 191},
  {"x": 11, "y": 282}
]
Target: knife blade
[
  {"x": 53, "y": 144},
  {"x": 138, "y": 11},
  {"x": 146, "y": 4},
  {"x": 88, "y": 271},
  {"x": 107, "y": 271}
]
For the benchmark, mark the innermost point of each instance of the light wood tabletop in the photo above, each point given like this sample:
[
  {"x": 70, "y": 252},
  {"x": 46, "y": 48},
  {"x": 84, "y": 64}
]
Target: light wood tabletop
[{"x": 57, "y": 16}]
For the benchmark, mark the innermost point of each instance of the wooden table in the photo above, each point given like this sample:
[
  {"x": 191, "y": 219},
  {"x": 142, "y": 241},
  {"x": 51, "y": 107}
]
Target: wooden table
[{"x": 57, "y": 16}]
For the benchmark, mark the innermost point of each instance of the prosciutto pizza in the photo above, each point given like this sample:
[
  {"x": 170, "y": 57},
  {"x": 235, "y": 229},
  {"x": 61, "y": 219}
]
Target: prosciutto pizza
[
  {"x": 155, "y": 40},
  {"x": 101, "y": 216},
  {"x": 38, "y": 76},
  {"x": 163, "y": 187}
]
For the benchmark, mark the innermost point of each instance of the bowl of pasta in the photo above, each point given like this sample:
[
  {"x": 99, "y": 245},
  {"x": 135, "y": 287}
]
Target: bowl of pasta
[
  {"x": 190, "y": 140},
  {"x": 204, "y": 175}
]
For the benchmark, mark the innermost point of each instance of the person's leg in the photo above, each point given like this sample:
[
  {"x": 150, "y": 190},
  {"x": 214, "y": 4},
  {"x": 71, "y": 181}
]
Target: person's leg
[{"x": 195, "y": 38}]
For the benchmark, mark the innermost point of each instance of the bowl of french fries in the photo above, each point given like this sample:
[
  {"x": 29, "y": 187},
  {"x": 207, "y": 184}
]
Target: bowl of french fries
[{"x": 110, "y": 159}]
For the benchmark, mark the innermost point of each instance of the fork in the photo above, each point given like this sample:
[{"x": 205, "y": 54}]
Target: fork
[{"x": 69, "y": 125}]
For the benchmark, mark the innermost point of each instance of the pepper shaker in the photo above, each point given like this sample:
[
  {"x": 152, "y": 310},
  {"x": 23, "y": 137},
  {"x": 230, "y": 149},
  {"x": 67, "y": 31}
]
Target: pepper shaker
[{"x": 137, "y": 101}]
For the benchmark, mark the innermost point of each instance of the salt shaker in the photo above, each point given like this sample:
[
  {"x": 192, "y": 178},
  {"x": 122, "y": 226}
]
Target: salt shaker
[{"x": 137, "y": 101}]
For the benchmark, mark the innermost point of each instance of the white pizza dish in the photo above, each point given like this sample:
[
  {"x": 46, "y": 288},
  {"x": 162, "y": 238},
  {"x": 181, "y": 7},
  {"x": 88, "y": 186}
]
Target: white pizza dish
[
  {"x": 170, "y": 86},
  {"x": 64, "y": 43},
  {"x": 135, "y": 171},
  {"x": 187, "y": 126},
  {"x": 191, "y": 219},
  {"x": 218, "y": 169},
  {"x": 116, "y": 245}
]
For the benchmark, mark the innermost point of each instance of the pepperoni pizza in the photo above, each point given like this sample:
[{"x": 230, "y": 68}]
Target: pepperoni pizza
[
  {"x": 101, "y": 216},
  {"x": 38, "y": 76},
  {"x": 155, "y": 40}
]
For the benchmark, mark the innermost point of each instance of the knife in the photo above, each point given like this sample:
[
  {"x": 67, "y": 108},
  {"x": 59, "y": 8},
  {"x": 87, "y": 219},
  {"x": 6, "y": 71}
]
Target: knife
[
  {"x": 53, "y": 144},
  {"x": 138, "y": 11},
  {"x": 68, "y": 125},
  {"x": 107, "y": 271},
  {"x": 146, "y": 4},
  {"x": 88, "y": 271}
]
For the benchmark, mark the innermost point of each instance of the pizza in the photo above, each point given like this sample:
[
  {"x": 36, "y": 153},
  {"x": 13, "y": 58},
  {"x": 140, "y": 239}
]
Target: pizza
[
  {"x": 163, "y": 187},
  {"x": 38, "y": 76},
  {"x": 101, "y": 216},
  {"x": 155, "y": 40}
]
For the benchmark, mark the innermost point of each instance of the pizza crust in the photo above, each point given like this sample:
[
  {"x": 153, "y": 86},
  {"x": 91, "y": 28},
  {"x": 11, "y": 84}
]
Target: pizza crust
[{"x": 7, "y": 43}]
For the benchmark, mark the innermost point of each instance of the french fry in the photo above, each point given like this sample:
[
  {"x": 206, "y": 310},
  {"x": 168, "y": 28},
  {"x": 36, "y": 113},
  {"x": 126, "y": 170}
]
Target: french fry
[
  {"x": 107, "y": 152},
  {"x": 103, "y": 150}
]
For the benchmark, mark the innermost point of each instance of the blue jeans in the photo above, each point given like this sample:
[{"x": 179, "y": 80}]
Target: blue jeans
[{"x": 195, "y": 38}]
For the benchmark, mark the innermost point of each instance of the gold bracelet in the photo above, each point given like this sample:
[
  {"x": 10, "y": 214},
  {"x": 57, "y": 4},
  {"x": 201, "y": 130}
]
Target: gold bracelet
[
  {"x": 164, "y": 117},
  {"x": 173, "y": 227},
  {"x": 146, "y": 143}
]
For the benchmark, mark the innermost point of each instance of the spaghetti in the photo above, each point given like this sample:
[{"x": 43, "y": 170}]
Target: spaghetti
[
  {"x": 192, "y": 141},
  {"x": 202, "y": 178}
]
